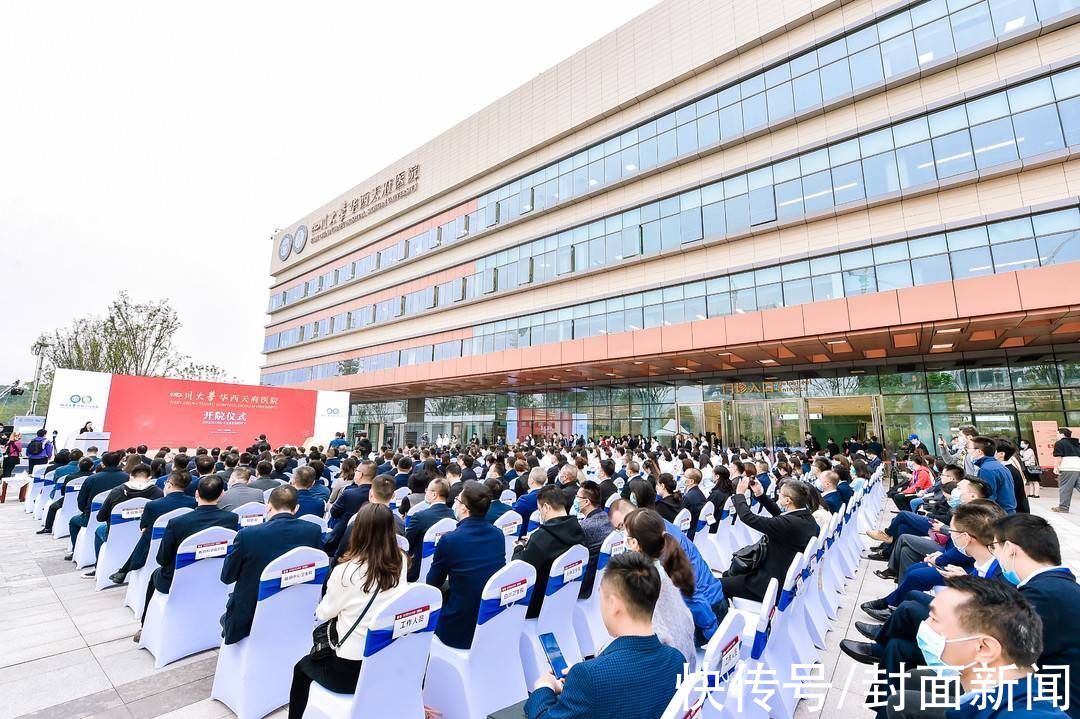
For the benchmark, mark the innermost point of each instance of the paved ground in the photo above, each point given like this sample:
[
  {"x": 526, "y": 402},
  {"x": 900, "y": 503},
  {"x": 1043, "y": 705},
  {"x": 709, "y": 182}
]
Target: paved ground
[{"x": 66, "y": 650}]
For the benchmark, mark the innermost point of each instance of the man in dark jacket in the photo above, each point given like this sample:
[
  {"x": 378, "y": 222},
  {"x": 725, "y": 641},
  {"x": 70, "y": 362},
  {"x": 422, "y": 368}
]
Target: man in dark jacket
[
  {"x": 175, "y": 498},
  {"x": 140, "y": 485},
  {"x": 418, "y": 524},
  {"x": 555, "y": 535},
  {"x": 466, "y": 558},
  {"x": 253, "y": 549},
  {"x": 109, "y": 477},
  {"x": 85, "y": 466},
  {"x": 526, "y": 503},
  {"x": 789, "y": 528},
  {"x": 205, "y": 515},
  {"x": 693, "y": 498}
]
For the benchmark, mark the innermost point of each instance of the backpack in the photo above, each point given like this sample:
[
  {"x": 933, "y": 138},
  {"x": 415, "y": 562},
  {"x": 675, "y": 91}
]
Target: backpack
[{"x": 36, "y": 446}]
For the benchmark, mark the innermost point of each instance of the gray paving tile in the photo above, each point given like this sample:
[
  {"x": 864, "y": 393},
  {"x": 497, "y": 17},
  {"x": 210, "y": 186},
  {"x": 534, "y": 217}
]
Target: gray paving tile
[
  {"x": 71, "y": 684},
  {"x": 163, "y": 702},
  {"x": 100, "y": 704},
  {"x": 170, "y": 678}
]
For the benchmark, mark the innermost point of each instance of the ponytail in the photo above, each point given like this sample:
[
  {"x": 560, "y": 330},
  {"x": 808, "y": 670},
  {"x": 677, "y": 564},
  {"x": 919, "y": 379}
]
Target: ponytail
[{"x": 675, "y": 562}]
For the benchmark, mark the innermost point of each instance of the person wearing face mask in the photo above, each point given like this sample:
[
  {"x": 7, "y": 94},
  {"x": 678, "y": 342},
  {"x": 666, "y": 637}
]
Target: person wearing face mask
[
  {"x": 1032, "y": 470},
  {"x": 418, "y": 524},
  {"x": 987, "y": 636},
  {"x": 596, "y": 525},
  {"x": 1029, "y": 552},
  {"x": 921, "y": 482},
  {"x": 465, "y": 560},
  {"x": 789, "y": 528},
  {"x": 557, "y": 532},
  {"x": 908, "y": 522},
  {"x": 993, "y": 473},
  {"x": 972, "y": 532}
]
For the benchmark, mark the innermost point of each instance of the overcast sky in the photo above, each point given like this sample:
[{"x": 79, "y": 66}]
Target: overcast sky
[{"x": 154, "y": 148}]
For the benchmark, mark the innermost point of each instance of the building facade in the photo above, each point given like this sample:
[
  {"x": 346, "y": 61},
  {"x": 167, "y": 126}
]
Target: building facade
[{"x": 753, "y": 219}]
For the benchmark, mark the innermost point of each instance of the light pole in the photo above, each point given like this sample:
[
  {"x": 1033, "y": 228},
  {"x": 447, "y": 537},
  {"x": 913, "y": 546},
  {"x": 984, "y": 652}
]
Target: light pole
[{"x": 39, "y": 350}]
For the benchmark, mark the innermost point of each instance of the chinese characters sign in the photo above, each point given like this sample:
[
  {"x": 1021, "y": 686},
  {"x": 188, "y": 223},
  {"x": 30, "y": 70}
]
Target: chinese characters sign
[{"x": 382, "y": 194}]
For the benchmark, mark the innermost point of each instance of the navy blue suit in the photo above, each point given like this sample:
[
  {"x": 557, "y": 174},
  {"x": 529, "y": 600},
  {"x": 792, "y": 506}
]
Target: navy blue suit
[
  {"x": 468, "y": 556},
  {"x": 348, "y": 503},
  {"x": 496, "y": 510},
  {"x": 599, "y": 688},
  {"x": 832, "y": 501},
  {"x": 1021, "y": 706},
  {"x": 401, "y": 479},
  {"x": 254, "y": 548},
  {"x": 154, "y": 509},
  {"x": 525, "y": 506},
  {"x": 846, "y": 493},
  {"x": 417, "y": 527},
  {"x": 1055, "y": 595},
  {"x": 309, "y": 503},
  {"x": 179, "y": 529}
]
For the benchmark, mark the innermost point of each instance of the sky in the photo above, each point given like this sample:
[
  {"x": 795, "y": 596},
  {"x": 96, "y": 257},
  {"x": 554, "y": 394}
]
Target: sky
[{"x": 155, "y": 147}]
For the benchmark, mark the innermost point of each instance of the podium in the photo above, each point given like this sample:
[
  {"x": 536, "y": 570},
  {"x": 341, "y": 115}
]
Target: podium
[{"x": 92, "y": 439}]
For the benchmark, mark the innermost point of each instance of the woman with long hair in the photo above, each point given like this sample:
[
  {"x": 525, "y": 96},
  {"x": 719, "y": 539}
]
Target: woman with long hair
[
  {"x": 672, "y": 619},
  {"x": 364, "y": 581}
]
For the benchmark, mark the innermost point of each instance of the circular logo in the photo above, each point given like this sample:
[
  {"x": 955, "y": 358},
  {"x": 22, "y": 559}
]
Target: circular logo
[
  {"x": 80, "y": 399},
  {"x": 285, "y": 248},
  {"x": 330, "y": 411},
  {"x": 299, "y": 239}
]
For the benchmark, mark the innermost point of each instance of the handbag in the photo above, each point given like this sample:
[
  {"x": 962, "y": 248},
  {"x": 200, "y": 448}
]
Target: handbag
[
  {"x": 324, "y": 642},
  {"x": 749, "y": 558}
]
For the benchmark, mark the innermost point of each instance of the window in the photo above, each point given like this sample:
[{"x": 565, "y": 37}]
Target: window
[
  {"x": 880, "y": 174},
  {"x": 893, "y": 276},
  {"x": 933, "y": 41},
  {"x": 926, "y": 270},
  {"x": 898, "y": 55},
  {"x": 835, "y": 81},
  {"x": 952, "y": 154},
  {"x": 1038, "y": 131},
  {"x": 866, "y": 68},
  {"x": 807, "y": 91},
  {"x": 971, "y": 26},
  {"x": 994, "y": 143},
  {"x": 915, "y": 164}
]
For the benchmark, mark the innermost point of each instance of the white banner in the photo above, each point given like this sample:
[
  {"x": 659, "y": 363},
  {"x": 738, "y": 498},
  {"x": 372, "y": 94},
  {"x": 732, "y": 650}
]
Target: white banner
[
  {"x": 331, "y": 415},
  {"x": 77, "y": 398}
]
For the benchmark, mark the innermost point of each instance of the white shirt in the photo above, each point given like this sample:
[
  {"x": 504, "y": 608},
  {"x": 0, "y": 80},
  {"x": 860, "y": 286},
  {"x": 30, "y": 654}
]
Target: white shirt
[
  {"x": 1037, "y": 572},
  {"x": 345, "y": 599}
]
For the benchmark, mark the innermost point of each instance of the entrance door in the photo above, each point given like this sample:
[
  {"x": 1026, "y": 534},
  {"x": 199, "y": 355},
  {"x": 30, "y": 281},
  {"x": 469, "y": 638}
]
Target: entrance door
[{"x": 839, "y": 418}]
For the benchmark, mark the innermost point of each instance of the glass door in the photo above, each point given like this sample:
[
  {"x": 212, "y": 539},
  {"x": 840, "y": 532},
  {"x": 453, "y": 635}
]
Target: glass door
[
  {"x": 785, "y": 423},
  {"x": 747, "y": 425}
]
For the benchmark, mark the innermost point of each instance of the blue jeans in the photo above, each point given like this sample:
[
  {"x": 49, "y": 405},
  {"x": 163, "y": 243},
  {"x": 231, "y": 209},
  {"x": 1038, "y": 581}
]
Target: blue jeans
[
  {"x": 908, "y": 523},
  {"x": 100, "y": 535},
  {"x": 75, "y": 525},
  {"x": 918, "y": 578}
]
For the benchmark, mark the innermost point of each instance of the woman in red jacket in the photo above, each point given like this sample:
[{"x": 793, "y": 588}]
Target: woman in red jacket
[{"x": 921, "y": 481}]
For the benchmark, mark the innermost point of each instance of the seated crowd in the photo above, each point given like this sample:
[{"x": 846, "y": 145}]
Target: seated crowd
[{"x": 980, "y": 582}]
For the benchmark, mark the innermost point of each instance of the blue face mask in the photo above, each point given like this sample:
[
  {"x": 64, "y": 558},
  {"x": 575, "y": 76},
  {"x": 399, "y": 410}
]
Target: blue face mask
[
  {"x": 932, "y": 643},
  {"x": 1011, "y": 577},
  {"x": 575, "y": 508}
]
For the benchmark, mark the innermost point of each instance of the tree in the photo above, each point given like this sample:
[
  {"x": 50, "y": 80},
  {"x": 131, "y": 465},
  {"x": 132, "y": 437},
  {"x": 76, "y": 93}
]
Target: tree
[{"x": 134, "y": 338}]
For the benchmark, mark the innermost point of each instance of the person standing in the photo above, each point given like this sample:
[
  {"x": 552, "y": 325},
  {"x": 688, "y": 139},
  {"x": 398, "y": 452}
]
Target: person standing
[
  {"x": 39, "y": 451},
  {"x": 1067, "y": 465},
  {"x": 12, "y": 454}
]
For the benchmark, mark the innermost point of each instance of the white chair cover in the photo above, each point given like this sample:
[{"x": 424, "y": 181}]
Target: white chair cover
[
  {"x": 187, "y": 619},
  {"x": 589, "y": 626},
  {"x": 431, "y": 540},
  {"x": 457, "y": 682},
  {"x": 683, "y": 520},
  {"x": 706, "y": 543},
  {"x": 403, "y": 544},
  {"x": 251, "y": 514},
  {"x": 705, "y": 693},
  {"x": 391, "y": 677},
  {"x": 508, "y": 496},
  {"x": 253, "y": 675},
  {"x": 556, "y": 614},
  {"x": 123, "y": 534},
  {"x": 68, "y": 509},
  {"x": 44, "y": 496},
  {"x": 510, "y": 524},
  {"x": 323, "y": 522},
  {"x": 399, "y": 494},
  {"x": 266, "y": 495},
  {"x": 139, "y": 578},
  {"x": 37, "y": 482},
  {"x": 534, "y": 523},
  {"x": 84, "y": 544}
]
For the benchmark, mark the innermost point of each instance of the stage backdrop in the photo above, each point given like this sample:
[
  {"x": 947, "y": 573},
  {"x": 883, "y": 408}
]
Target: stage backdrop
[{"x": 158, "y": 411}]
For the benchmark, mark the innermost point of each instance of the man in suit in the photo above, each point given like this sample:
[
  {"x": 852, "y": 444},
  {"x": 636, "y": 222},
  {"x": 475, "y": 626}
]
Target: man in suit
[
  {"x": 596, "y": 525},
  {"x": 239, "y": 491},
  {"x": 107, "y": 478},
  {"x": 180, "y": 464},
  {"x": 568, "y": 483},
  {"x": 253, "y": 549},
  {"x": 175, "y": 498},
  {"x": 205, "y": 515},
  {"x": 354, "y": 496},
  {"x": 606, "y": 479},
  {"x": 267, "y": 476},
  {"x": 310, "y": 502},
  {"x": 693, "y": 498},
  {"x": 526, "y": 503},
  {"x": 830, "y": 497},
  {"x": 789, "y": 528},
  {"x": 231, "y": 461},
  {"x": 466, "y": 558},
  {"x": 498, "y": 508},
  {"x": 993, "y": 638},
  {"x": 418, "y": 525},
  {"x": 404, "y": 469},
  {"x": 557, "y": 533},
  {"x": 598, "y": 688}
]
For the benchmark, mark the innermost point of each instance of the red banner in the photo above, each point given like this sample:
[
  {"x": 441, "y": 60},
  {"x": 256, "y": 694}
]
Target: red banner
[{"x": 158, "y": 412}]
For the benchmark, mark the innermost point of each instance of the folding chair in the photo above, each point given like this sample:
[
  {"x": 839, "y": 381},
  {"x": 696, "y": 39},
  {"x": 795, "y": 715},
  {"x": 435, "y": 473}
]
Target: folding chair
[
  {"x": 186, "y": 620},
  {"x": 413, "y": 511},
  {"x": 705, "y": 542},
  {"x": 556, "y": 614},
  {"x": 37, "y": 482},
  {"x": 123, "y": 535},
  {"x": 589, "y": 627},
  {"x": 704, "y": 693},
  {"x": 743, "y": 696},
  {"x": 510, "y": 524},
  {"x": 253, "y": 675},
  {"x": 68, "y": 509},
  {"x": 139, "y": 578},
  {"x": 44, "y": 497},
  {"x": 251, "y": 514},
  {"x": 508, "y": 496},
  {"x": 321, "y": 521},
  {"x": 534, "y": 523},
  {"x": 431, "y": 540},
  {"x": 395, "y": 658},
  {"x": 83, "y": 555},
  {"x": 458, "y": 680},
  {"x": 683, "y": 520},
  {"x": 399, "y": 494}
]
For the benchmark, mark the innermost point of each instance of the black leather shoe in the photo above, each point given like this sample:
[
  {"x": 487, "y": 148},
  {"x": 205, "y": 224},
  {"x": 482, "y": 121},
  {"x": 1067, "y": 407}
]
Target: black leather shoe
[
  {"x": 68, "y": 557},
  {"x": 878, "y": 557},
  {"x": 886, "y": 573},
  {"x": 862, "y": 652},
  {"x": 868, "y": 630},
  {"x": 43, "y": 531},
  {"x": 881, "y": 615},
  {"x": 874, "y": 604},
  {"x": 118, "y": 578}
]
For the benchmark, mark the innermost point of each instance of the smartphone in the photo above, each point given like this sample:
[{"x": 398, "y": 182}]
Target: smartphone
[{"x": 554, "y": 655}]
